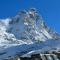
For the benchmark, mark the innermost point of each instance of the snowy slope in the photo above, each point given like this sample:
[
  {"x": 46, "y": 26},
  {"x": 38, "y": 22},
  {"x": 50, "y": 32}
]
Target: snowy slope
[{"x": 26, "y": 34}]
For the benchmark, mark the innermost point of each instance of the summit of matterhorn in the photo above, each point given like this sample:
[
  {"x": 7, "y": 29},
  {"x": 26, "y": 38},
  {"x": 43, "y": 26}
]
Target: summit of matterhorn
[{"x": 24, "y": 33}]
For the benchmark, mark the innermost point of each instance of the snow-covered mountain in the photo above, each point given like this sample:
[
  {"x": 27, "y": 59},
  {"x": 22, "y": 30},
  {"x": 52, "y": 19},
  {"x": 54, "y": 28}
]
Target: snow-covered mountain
[{"x": 26, "y": 33}]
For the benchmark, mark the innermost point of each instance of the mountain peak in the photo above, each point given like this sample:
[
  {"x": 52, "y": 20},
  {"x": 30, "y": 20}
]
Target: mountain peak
[
  {"x": 24, "y": 33},
  {"x": 28, "y": 25}
]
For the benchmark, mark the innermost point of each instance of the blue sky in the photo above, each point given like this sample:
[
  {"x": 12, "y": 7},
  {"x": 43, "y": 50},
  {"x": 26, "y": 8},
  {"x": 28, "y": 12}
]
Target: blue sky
[{"x": 49, "y": 9}]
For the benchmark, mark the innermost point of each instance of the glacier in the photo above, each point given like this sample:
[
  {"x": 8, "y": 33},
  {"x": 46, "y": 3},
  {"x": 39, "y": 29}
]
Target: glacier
[{"x": 26, "y": 34}]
